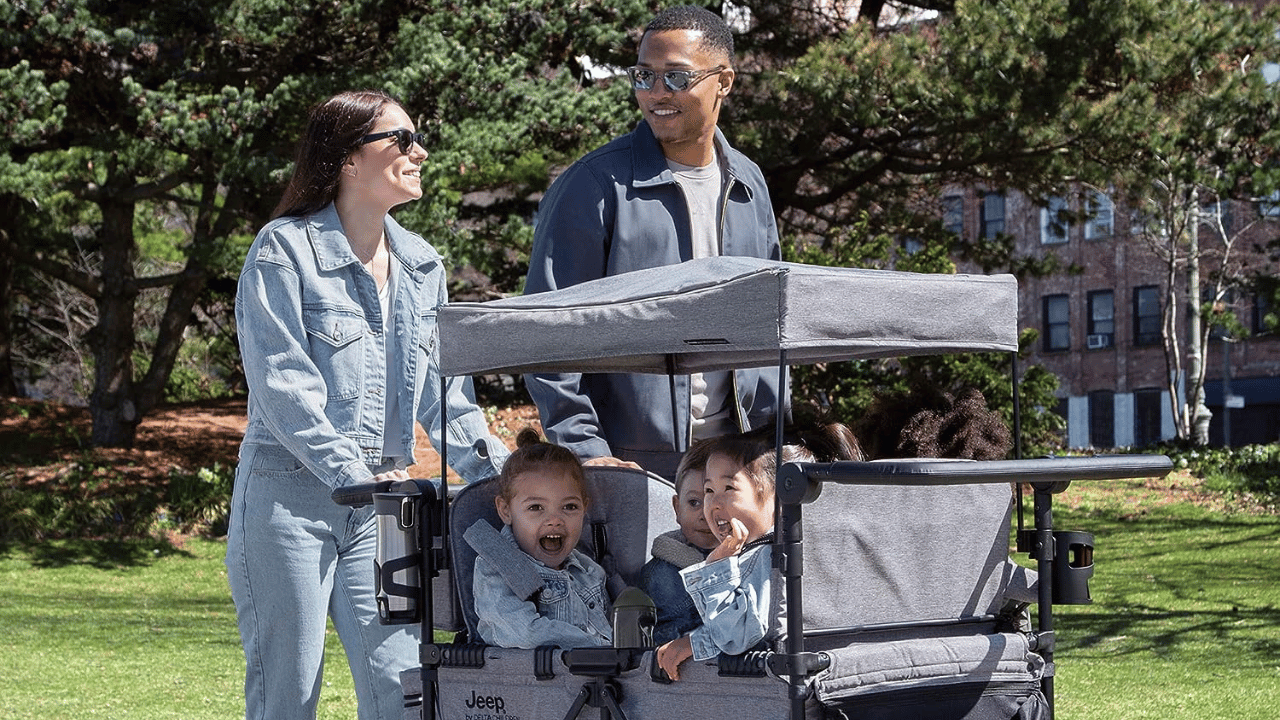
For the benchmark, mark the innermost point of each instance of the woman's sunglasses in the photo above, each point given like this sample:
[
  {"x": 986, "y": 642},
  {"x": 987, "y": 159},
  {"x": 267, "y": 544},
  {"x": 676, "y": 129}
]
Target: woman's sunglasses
[
  {"x": 675, "y": 80},
  {"x": 404, "y": 139}
]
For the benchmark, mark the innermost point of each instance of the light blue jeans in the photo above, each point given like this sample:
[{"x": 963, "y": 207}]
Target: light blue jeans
[{"x": 294, "y": 557}]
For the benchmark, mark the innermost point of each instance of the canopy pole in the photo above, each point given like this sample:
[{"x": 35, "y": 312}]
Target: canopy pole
[
  {"x": 675, "y": 410},
  {"x": 1017, "y": 409},
  {"x": 788, "y": 548},
  {"x": 1017, "y": 444}
]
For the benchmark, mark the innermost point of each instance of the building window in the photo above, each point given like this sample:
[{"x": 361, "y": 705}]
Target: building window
[
  {"x": 953, "y": 214},
  {"x": 1102, "y": 419},
  {"x": 1264, "y": 315},
  {"x": 1102, "y": 319},
  {"x": 1142, "y": 223},
  {"x": 1057, "y": 322},
  {"x": 1269, "y": 206},
  {"x": 1146, "y": 315},
  {"x": 1053, "y": 223},
  {"x": 1101, "y": 213},
  {"x": 1148, "y": 409},
  {"x": 992, "y": 215}
]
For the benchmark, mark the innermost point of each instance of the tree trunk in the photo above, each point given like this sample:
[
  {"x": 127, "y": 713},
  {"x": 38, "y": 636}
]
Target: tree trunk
[
  {"x": 112, "y": 404},
  {"x": 1169, "y": 322},
  {"x": 8, "y": 383},
  {"x": 210, "y": 225},
  {"x": 1199, "y": 412}
]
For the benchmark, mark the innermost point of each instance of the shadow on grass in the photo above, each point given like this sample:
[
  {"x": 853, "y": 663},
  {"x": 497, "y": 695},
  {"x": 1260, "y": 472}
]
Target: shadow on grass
[
  {"x": 1179, "y": 580},
  {"x": 1160, "y": 630},
  {"x": 101, "y": 554}
]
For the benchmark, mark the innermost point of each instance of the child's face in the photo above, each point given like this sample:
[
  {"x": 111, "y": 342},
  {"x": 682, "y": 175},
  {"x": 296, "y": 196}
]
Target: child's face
[
  {"x": 545, "y": 514},
  {"x": 689, "y": 516},
  {"x": 731, "y": 493}
]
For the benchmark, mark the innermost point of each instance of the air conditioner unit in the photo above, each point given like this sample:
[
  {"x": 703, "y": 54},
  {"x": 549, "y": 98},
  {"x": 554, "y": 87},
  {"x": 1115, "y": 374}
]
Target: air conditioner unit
[{"x": 1099, "y": 341}]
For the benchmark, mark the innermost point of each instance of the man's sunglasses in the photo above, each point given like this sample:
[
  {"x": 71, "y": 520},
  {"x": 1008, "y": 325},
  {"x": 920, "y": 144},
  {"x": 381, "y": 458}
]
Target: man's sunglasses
[
  {"x": 404, "y": 139},
  {"x": 675, "y": 80}
]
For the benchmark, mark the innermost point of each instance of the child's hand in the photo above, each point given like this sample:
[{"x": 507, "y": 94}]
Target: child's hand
[
  {"x": 672, "y": 654},
  {"x": 732, "y": 543}
]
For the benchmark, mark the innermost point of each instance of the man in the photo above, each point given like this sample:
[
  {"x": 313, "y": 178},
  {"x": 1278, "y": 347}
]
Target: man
[{"x": 669, "y": 191}]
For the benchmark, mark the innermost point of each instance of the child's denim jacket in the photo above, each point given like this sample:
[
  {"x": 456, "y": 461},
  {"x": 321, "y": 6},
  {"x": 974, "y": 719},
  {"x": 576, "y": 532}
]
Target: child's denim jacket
[
  {"x": 660, "y": 579},
  {"x": 736, "y": 599},
  {"x": 571, "y": 609}
]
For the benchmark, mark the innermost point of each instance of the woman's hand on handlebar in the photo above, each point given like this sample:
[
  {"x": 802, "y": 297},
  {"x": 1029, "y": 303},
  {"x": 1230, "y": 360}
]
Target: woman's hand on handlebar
[{"x": 392, "y": 475}]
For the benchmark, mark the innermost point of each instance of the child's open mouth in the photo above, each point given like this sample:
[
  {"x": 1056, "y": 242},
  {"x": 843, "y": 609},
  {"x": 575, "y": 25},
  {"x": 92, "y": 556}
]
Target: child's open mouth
[{"x": 551, "y": 543}]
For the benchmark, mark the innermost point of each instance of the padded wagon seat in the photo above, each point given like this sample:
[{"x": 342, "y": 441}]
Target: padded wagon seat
[
  {"x": 876, "y": 555},
  {"x": 911, "y": 592}
]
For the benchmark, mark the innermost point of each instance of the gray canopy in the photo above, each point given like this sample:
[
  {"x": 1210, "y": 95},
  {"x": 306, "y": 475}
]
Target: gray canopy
[{"x": 729, "y": 312}]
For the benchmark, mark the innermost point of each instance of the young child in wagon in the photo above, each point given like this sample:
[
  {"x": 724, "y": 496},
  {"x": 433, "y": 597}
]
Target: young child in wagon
[
  {"x": 531, "y": 586},
  {"x": 680, "y": 548},
  {"x": 733, "y": 589}
]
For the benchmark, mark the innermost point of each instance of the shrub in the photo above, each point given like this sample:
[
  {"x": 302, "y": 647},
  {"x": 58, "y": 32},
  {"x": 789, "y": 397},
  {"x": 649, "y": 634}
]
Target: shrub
[
  {"x": 200, "y": 501},
  {"x": 87, "y": 499},
  {"x": 1253, "y": 469}
]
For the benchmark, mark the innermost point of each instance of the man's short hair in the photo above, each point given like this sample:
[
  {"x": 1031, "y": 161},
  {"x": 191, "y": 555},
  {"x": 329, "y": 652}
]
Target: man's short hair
[{"x": 716, "y": 35}]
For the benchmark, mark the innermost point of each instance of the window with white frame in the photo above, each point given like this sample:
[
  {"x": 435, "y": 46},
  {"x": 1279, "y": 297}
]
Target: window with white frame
[
  {"x": 1053, "y": 223},
  {"x": 1216, "y": 215},
  {"x": 953, "y": 214},
  {"x": 1139, "y": 222},
  {"x": 1269, "y": 206},
  {"x": 1101, "y": 216},
  {"x": 1264, "y": 315}
]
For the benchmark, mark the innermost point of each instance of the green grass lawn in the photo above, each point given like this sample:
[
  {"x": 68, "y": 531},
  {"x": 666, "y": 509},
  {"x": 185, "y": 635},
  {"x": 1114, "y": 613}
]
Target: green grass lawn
[
  {"x": 111, "y": 630},
  {"x": 1185, "y": 622}
]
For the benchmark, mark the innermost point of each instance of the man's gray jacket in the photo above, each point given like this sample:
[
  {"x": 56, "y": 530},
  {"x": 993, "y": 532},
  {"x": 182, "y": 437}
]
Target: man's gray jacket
[{"x": 619, "y": 209}]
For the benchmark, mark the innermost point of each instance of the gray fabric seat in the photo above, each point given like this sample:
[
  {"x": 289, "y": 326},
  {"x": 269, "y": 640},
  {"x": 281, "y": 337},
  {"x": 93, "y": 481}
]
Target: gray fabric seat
[{"x": 903, "y": 588}]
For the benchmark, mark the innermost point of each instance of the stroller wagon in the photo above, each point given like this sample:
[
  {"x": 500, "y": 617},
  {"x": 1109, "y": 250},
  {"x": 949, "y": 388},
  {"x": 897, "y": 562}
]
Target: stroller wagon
[{"x": 901, "y": 598}]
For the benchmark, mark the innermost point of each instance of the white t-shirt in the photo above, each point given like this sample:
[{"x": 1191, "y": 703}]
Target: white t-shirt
[
  {"x": 391, "y": 422},
  {"x": 710, "y": 411}
]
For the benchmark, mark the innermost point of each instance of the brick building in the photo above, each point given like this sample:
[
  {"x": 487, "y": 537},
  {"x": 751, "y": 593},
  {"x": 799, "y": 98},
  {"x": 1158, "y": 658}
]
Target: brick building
[{"x": 1100, "y": 328}]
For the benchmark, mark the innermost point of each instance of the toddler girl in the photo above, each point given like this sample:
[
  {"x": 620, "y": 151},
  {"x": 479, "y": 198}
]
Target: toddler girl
[{"x": 531, "y": 586}]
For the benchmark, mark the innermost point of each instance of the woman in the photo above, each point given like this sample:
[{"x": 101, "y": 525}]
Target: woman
[{"x": 336, "y": 314}]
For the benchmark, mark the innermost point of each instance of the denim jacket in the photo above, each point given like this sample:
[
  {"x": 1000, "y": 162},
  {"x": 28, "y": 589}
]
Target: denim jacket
[
  {"x": 739, "y": 603},
  {"x": 616, "y": 210},
  {"x": 312, "y": 338},
  {"x": 661, "y": 581},
  {"x": 571, "y": 610}
]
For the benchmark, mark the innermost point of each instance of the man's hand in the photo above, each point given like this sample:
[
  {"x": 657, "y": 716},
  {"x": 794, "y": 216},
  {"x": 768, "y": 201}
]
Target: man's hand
[
  {"x": 611, "y": 461},
  {"x": 672, "y": 654}
]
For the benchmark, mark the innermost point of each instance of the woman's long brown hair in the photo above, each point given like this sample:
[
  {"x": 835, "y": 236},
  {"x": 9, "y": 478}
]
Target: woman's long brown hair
[{"x": 334, "y": 129}]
